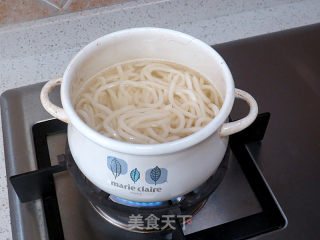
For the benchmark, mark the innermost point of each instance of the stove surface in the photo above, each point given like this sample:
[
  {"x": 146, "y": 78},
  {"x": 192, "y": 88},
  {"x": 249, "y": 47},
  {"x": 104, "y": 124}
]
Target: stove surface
[{"x": 232, "y": 200}]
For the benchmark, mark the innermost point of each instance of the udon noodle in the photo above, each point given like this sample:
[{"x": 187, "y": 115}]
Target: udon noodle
[{"x": 147, "y": 101}]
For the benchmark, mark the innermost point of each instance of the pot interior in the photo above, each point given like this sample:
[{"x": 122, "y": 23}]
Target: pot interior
[{"x": 146, "y": 43}]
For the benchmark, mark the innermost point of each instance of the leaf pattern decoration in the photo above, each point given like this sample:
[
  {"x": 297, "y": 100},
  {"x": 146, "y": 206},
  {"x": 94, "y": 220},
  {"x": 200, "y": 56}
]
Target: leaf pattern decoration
[
  {"x": 155, "y": 174},
  {"x": 135, "y": 175},
  {"x": 115, "y": 168}
]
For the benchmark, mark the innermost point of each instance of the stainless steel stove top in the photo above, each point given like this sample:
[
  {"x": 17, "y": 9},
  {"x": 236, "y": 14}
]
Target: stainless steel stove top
[{"x": 232, "y": 200}]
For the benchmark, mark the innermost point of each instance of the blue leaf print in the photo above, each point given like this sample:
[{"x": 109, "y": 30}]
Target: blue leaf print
[
  {"x": 115, "y": 168},
  {"x": 113, "y": 164},
  {"x": 162, "y": 179},
  {"x": 155, "y": 174},
  {"x": 135, "y": 175}
]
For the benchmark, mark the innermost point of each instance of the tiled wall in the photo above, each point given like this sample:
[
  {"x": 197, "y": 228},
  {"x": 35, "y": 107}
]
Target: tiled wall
[{"x": 13, "y": 11}]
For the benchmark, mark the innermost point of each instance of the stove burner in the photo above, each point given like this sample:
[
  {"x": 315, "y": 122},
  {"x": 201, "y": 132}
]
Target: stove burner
[
  {"x": 129, "y": 203},
  {"x": 133, "y": 203}
]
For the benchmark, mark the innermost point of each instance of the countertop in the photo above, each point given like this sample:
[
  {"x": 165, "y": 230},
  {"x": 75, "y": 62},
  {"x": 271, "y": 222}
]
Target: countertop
[{"x": 38, "y": 51}]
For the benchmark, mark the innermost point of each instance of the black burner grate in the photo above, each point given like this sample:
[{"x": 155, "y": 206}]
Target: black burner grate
[{"x": 41, "y": 185}]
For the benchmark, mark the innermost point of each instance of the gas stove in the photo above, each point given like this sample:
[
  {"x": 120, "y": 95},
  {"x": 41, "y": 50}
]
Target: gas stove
[{"x": 50, "y": 198}]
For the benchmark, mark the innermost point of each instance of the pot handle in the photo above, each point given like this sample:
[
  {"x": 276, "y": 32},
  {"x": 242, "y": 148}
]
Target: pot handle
[
  {"x": 237, "y": 126},
  {"x": 54, "y": 110}
]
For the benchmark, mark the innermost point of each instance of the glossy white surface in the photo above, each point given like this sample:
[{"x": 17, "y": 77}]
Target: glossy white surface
[
  {"x": 184, "y": 170},
  {"x": 54, "y": 110},
  {"x": 230, "y": 128},
  {"x": 38, "y": 51},
  {"x": 131, "y": 166},
  {"x": 146, "y": 43}
]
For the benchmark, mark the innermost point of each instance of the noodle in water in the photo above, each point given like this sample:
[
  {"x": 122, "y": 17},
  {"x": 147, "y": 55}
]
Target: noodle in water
[{"x": 147, "y": 101}]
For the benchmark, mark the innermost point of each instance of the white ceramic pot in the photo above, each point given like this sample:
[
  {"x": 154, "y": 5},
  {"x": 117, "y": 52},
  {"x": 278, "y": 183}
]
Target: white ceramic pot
[{"x": 148, "y": 172}]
